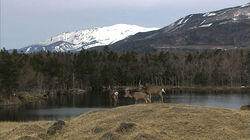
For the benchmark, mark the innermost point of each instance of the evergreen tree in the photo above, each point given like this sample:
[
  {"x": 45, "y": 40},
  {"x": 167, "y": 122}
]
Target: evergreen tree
[
  {"x": 248, "y": 68},
  {"x": 8, "y": 73}
]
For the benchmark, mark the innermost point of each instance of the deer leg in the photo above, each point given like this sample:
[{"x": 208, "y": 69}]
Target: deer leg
[
  {"x": 116, "y": 103},
  {"x": 150, "y": 97},
  {"x": 110, "y": 102},
  {"x": 149, "y": 100},
  {"x": 145, "y": 99},
  {"x": 161, "y": 98}
]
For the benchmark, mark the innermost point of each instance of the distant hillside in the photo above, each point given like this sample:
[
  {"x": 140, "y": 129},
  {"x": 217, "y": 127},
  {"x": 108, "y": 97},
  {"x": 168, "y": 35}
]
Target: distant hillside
[{"x": 227, "y": 28}]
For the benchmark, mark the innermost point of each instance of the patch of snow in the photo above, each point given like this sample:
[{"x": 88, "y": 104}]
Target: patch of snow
[
  {"x": 57, "y": 48},
  {"x": 245, "y": 5},
  {"x": 187, "y": 19},
  {"x": 180, "y": 22},
  {"x": 27, "y": 51},
  {"x": 203, "y": 22},
  {"x": 235, "y": 19},
  {"x": 209, "y": 14},
  {"x": 206, "y": 25},
  {"x": 238, "y": 13}
]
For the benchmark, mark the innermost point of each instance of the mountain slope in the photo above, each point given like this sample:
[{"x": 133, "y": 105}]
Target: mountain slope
[
  {"x": 85, "y": 39},
  {"x": 227, "y": 28}
]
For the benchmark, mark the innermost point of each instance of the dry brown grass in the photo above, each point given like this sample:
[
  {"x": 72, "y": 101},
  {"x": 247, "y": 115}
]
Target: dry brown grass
[
  {"x": 142, "y": 121},
  {"x": 16, "y": 130}
]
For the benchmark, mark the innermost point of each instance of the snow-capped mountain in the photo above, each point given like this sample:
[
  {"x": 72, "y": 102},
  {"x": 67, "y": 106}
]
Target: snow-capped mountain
[
  {"x": 225, "y": 28},
  {"x": 203, "y": 20},
  {"x": 85, "y": 39}
]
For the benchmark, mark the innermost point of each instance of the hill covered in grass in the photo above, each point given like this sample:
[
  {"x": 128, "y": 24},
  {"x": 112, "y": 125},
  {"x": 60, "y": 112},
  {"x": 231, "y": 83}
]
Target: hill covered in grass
[{"x": 142, "y": 121}]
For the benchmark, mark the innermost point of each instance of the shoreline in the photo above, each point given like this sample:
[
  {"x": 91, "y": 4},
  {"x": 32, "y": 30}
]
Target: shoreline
[
  {"x": 153, "y": 121},
  {"x": 23, "y": 98}
]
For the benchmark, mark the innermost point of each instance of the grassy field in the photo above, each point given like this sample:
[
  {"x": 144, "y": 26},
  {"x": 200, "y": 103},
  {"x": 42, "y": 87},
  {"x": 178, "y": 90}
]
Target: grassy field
[{"x": 141, "y": 121}]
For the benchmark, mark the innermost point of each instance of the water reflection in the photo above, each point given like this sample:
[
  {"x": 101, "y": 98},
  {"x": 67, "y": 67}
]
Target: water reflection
[
  {"x": 49, "y": 114},
  {"x": 55, "y": 108},
  {"x": 62, "y": 107},
  {"x": 219, "y": 100}
]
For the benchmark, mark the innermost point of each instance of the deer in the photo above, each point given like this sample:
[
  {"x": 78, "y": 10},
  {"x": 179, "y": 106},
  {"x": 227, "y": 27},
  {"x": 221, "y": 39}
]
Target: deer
[
  {"x": 137, "y": 96},
  {"x": 152, "y": 90},
  {"x": 113, "y": 97},
  {"x": 245, "y": 107}
]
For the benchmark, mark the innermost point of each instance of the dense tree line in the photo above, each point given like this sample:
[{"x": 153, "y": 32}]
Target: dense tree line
[{"x": 52, "y": 71}]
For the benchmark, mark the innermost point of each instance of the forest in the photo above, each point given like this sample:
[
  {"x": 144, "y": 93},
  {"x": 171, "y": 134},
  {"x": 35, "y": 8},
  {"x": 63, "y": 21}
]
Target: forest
[{"x": 46, "y": 71}]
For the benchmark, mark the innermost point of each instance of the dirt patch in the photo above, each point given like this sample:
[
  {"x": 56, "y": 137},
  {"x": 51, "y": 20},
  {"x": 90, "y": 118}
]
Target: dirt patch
[
  {"x": 144, "y": 136},
  {"x": 57, "y": 126},
  {"x": 98, "y": 130},
  {"x": 109, "y": 136},
  {"x": 148, "y": 111},
  {"x": 28, "y": 138},
  {"x": 163, "y": 133},
  {"x": 125, "y": 127}
]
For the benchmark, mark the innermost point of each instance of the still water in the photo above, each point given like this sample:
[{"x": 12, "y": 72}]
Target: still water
[
  {"x": 64, "y": 107},
  {"x": 217, "y": 100}
]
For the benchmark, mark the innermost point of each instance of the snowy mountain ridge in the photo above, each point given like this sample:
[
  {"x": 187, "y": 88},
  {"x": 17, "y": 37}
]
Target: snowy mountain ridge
[
  {"x": 219, "y": 17},
  {"x": 85, "y": 39}
]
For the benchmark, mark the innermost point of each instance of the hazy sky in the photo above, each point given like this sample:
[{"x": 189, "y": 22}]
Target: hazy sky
[{"x": 25, "y": 22}]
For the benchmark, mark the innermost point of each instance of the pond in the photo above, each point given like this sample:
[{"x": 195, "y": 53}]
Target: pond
[
  {"x": 63, "y": 107},
  {"x": 217, "y": 100}
]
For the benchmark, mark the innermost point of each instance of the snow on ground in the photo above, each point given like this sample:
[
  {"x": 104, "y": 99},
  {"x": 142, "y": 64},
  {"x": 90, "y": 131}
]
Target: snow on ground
[
  {"x": 99, "y": 36},
  {"x": 203, "y": 22},
  {"x": 187, "y": 19},
  {"x": 209, "y": 14},
  {"x": 206, "y": 25},
  {"x": 92, "y": 37},
  {"x": 245, "y": 5},
  {"x": 180, "y": 22}
]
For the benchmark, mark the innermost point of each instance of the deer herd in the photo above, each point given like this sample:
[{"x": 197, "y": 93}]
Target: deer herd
[{"x": 140, "y": 93}]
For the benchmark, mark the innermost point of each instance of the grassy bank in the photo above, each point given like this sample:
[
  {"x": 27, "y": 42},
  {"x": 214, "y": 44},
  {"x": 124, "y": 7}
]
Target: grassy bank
[
  {"x": 142, "y": 121},
  {"x": 22, "y": 98}
]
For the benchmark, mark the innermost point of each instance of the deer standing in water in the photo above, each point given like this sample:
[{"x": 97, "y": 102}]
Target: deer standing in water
[
  {"x": 113, "y": 97},
  {"x": 152, "y": 90},
  {"x": 138, "y": 96}
]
